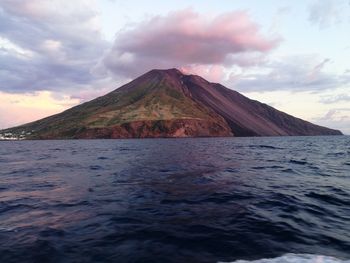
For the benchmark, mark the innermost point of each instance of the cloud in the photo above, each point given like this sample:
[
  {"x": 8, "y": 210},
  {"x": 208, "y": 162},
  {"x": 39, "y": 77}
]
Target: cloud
[
  {"x": 327, "y": 12},
  {"x": 48, "y": 45},
  {"x": 337, "y": 118},
  {"x": 16, "y": 109},
  {"x": 215, "y": 73},
  {"x": 187, "y": 39},
  {"x": 315, "y": 72},
  {"x": 54, "y": 51},
  {"x": 335, "y": 99},
  {"x": 294, "y": 73}
]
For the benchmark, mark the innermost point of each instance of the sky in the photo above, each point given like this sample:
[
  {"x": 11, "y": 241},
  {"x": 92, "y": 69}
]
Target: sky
[{"x": 292, "y": 55}]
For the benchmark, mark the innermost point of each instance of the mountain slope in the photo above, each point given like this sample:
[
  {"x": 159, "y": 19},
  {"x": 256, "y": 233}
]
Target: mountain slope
[
  {"x": 167, "y": 103},
  {"x": 248, "y": 117}
]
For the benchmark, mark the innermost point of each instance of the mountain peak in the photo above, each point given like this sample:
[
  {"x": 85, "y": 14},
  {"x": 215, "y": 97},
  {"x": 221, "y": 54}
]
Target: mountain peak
[
  {"x": 175, "y": 75},
  {"x": 171, "y": 71}
]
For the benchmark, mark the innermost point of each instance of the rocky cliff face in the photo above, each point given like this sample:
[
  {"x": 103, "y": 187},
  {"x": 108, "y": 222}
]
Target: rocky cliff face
[
  {"x": 160, "y": 129},
  {"x": 154, "y": 129},
  {"x": 167, "y": 103}
]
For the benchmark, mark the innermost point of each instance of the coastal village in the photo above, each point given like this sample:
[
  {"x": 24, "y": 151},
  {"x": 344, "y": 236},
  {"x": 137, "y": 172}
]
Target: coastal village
[{"x": 9, "y": 136}]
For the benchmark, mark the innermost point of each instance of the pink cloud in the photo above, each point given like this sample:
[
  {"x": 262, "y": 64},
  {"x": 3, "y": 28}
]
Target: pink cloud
[
  {"x": 187, "y": 39},
  {"x": 213, "y": 73}
]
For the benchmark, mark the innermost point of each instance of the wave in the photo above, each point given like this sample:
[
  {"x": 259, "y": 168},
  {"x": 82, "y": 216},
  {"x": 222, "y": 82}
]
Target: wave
[
  {"x": 328, "y": 198},
  {"x": 296, "y": 258},
  {"x": 298, "y": 162},
  {"x": 266, "y": 147}
]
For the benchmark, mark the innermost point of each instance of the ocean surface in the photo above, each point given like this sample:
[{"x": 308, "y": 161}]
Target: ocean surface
[{"x": 272, "y": 199}]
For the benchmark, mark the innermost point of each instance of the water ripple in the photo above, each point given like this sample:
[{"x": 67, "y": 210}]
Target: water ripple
[{"x": 175, "y": 200}]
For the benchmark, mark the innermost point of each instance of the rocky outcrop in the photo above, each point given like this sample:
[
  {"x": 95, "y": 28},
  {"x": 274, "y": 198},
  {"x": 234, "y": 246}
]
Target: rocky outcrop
[{"x": 155, "y": 129}]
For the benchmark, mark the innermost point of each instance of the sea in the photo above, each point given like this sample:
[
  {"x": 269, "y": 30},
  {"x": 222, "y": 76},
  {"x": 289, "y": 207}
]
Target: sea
[{"x": 261, "y": 199}]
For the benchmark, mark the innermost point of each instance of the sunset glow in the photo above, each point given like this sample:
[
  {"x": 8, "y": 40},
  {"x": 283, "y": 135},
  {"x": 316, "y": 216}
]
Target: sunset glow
[{"x": 57, "y": 54}]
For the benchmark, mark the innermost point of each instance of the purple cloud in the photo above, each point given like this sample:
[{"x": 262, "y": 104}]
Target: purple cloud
[
  {"x": 61, "y": 41},
  {"x": 185, "y": 38}
]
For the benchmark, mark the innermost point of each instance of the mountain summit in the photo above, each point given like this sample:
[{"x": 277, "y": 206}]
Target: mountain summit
[{"x": 168, "y": 103}]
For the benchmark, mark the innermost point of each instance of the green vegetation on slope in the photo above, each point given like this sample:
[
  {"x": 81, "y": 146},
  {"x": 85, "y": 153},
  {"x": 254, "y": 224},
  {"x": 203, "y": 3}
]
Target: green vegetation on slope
[{"x": 152, "y": 99}]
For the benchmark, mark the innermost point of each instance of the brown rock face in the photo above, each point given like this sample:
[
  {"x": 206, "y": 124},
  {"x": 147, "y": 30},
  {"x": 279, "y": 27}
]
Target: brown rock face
[
  {"x": 167, "y": 103},
  {"x": 160, "y": 129}
]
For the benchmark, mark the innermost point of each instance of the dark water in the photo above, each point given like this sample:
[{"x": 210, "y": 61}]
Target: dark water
[{"x": 174, "y": 200}]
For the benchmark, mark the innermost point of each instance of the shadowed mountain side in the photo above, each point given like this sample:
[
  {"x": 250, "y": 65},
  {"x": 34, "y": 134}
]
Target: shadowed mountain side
[
  {"x": 248, "y": 117},
  {"x": 167, "y": 103}
]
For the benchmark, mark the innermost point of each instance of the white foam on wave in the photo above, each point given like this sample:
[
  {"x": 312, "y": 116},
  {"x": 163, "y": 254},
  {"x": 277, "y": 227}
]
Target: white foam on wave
[{"x": 296, "y": 258}]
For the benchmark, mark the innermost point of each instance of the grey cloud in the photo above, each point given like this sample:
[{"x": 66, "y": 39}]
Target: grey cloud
[
  {"x": 298, "y": 73},
  {"x": 335, "y": 99},
  {"x": 337, "y": 118},
  {"x": 64, "y": 46},
  {"x": 327, "y": 12}
]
